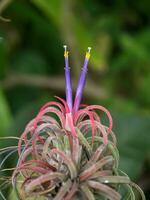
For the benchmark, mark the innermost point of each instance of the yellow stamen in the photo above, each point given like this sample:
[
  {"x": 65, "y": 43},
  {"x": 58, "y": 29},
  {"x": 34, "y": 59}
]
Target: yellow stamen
[
  {"x": 66, "y": 52},
  {"x": 87, "y": 56}
]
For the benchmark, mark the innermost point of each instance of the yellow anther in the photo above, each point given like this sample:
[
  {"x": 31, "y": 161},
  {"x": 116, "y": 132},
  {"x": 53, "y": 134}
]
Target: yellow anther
[
  {"x": 87, "y": 56},
  {"x": 66, "y": 52}
]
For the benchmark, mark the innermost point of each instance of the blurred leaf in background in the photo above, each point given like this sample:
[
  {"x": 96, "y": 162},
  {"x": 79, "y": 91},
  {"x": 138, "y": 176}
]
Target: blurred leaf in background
[
  {"x": 32, "y": 66},
  {"x": 5, "y": 114}
]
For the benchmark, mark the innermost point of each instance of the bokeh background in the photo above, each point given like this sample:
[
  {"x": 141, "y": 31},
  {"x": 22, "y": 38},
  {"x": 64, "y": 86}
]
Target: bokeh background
[{"x": 32, "y": 34}]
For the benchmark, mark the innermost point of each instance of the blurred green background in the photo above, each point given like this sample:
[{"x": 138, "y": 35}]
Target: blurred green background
[{"x": 32, "y": 34}]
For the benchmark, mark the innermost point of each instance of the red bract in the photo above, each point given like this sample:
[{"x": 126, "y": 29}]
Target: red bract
[{"x": 85, "y": 118}]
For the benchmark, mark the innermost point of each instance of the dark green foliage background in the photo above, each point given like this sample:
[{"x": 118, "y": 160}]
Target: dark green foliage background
[{"x": 32, "y": 66}]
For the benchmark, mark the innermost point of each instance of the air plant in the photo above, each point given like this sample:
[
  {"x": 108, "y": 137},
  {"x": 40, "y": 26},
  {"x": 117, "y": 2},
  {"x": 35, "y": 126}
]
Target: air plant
[{"x": 66, "y": 153}]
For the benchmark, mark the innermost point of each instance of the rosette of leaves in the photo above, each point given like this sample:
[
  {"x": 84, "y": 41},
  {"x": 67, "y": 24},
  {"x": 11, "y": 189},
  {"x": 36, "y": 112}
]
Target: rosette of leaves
[
  {"x": 70, "y": 156},
  {"x": 66, "y": 153}
]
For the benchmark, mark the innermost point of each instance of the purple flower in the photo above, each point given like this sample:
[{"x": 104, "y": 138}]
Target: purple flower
[
  {"x": 68, "y": 79},
  {"x": 82, "y": 80}
]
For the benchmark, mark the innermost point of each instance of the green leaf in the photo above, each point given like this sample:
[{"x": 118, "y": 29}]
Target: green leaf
[
  {"x": 3, "y": 56},
  {"x": 13, "y": 196},
  {"x": 52, "y": 9},
  {"x": 5, "y": 114}
]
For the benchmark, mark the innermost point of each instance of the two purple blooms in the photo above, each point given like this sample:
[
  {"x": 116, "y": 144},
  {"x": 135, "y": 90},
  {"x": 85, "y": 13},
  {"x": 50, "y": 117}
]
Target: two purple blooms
[{"x": 81, "y": 82}]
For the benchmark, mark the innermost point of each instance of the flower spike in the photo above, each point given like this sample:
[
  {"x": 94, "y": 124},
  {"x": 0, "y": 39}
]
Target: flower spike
[
  {"x": 68, "y": 79},
  {"x": 82, "y": 80}
]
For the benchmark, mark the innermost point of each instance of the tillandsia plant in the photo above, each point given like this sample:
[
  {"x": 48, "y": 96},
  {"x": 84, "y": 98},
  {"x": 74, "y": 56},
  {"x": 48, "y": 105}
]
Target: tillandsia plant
[{"x": 66, "y": 153}]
